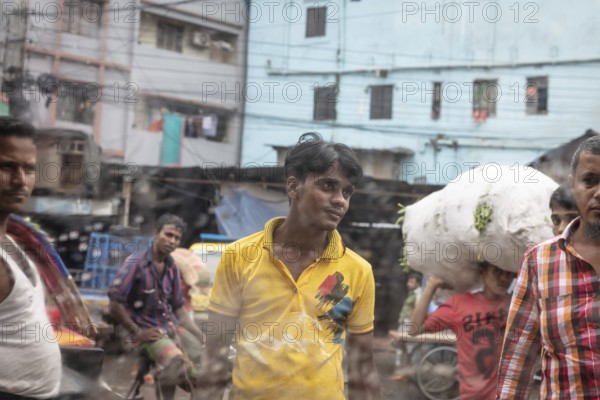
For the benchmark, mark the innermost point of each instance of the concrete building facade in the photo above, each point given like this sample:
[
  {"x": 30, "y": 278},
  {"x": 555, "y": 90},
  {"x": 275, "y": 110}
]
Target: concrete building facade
[
  {"x": 445, "y": 85},
  {"x": 187, "y": 57},
  {"x": 112, "y": 69}
]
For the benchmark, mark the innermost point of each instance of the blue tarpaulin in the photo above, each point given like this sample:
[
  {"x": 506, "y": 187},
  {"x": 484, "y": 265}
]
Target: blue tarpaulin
[
  {"x": 171, "y": 144},
  {"x": 244, "y": 210}
]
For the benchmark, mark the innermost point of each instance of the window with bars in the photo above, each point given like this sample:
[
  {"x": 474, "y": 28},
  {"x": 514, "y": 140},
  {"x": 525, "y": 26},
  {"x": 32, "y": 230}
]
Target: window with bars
[
  {"x": 169, "y": 36},
  {"x": 485, "y": 97},
  {"x": 316, "y": 18},
  {"x": 536, "y": 96},
  {"x": 381, "y": 101},
  {"x": 324, "y": 102},
  {"x": 83, "y": 17},
  {"x": 76, "y": 102}
]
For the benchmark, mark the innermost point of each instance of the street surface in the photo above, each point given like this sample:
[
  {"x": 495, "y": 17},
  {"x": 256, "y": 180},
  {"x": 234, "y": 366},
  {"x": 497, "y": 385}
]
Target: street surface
[{"x": 119, "y": 372}]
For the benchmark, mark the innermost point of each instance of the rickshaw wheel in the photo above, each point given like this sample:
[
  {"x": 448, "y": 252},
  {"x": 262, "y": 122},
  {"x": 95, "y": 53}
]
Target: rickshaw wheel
[{"x": 437, "y": 374}]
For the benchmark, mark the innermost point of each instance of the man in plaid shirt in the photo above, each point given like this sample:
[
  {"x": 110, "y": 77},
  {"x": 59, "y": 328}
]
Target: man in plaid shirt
[{"x": 555, "y": 309}]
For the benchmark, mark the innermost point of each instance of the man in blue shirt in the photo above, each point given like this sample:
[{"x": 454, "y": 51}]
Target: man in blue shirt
[{"x": 146, "y": 299}]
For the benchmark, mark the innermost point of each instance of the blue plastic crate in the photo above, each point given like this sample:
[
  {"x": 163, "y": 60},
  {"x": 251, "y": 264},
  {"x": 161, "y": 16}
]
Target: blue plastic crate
[{"x": 105, "y": 255}]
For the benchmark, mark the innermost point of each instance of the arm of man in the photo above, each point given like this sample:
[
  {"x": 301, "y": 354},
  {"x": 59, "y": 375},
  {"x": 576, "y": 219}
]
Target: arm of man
[
  {"x": 212, "y": 379},
  {"x": 416, "y": 326},
  {"x": 118, "y": 311},
  {"x": 186, "y": 321},
  {"x": 177, "y": 302},
  {"x": 6, "y": 282},
  {"x": 225, "y": 305},
  {"x": 363, "y": 379},
  {"x": 522, "y": 346}
]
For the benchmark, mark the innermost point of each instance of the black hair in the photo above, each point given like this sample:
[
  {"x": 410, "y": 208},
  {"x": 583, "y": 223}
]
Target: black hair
[
  {"x": 590, "y": 145},
  {"x": 13, "y": 127},
  {"x": 563, "y": 197},
  {"x": 415, "y": 275},
  {"x": 313, "y": 154},
  {"x": 484, "y": 264},
  {"x": 170, "y": 219}
]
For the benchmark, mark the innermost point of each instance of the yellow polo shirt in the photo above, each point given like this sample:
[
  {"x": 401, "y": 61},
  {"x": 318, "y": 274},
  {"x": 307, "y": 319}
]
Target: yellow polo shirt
[{"x": 289, "y": 335}]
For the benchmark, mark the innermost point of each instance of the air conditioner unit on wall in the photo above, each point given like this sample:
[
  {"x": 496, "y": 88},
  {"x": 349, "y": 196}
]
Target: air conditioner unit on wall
[
  {"x": 381, "y": 73},
  {"x": 222, "y": 45},
  {"x": 200, "y": 39}
]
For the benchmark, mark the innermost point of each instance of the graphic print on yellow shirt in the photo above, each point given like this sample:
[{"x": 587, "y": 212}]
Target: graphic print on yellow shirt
[{"x": 332, "y": 296}]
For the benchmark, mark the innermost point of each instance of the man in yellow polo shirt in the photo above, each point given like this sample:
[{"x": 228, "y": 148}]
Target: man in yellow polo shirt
[{"x": 292, "y": 295}]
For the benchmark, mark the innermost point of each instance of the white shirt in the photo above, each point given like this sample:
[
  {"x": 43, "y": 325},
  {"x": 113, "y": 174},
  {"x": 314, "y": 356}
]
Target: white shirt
[{"x": 30, "y": 360}]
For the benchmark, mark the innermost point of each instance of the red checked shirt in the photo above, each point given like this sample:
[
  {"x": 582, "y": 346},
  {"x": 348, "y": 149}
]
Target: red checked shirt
[{"x": 555, "y": 313}]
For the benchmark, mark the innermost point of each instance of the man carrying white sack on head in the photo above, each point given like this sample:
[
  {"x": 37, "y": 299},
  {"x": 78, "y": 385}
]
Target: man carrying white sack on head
[
  {"x": 478, "y": 320},
  {"x": 480, "y": 226}
]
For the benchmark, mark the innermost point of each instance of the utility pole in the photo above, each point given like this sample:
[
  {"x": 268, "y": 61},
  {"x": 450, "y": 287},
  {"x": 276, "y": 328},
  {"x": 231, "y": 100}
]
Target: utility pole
[
  {"x": 5, "y": 49},
  {"x": 4, "y": 100},
  {"x": 13, "y": 58},
  {"x": 127, "y": 183}
]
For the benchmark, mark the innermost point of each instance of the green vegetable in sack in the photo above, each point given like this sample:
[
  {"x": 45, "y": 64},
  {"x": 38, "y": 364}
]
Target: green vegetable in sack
[
  {"x": 402, "y": 261},
  {"x": 401, "y": 212},
  {"x": 483, "y": 216}
]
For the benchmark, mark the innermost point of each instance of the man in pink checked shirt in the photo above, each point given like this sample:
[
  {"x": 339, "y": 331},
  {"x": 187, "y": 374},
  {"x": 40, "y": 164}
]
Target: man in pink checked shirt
[{"x": 555, "y": 309}]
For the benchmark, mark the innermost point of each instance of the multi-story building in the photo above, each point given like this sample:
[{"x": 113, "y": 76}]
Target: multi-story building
[
  {"x": 114, "y": 69},
  {"x": 67, "y": 65},
  {"x": 189, "y": 59},
  {"x": 433, "y": 87}
]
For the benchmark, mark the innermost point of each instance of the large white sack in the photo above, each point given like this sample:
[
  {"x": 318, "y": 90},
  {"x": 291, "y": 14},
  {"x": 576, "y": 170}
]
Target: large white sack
[{"x": 440, "y": 234}]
